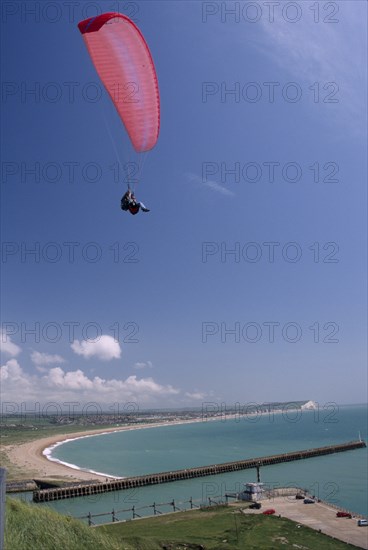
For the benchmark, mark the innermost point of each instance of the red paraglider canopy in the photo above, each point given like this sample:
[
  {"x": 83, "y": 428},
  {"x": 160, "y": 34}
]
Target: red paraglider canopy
[{"x": 124, "y": 64}]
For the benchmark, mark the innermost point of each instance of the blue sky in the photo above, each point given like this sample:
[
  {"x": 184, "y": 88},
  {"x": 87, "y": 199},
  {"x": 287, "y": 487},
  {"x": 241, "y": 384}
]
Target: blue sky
[{"x": 262, "y": 152}]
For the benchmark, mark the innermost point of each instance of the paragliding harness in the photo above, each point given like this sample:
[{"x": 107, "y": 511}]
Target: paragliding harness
[
  {"x": 134, "y": 208},
  {"x": 128, "y": 202}
]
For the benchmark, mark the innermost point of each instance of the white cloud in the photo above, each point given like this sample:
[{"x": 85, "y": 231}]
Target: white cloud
[
  {"x": 149, "y": 385},
  {"x": 62, "y": 386},
  {"x": 143, "y": 365},
  {"x": 199, "y": 396},
  {"x": 15, "y": 384},
  {"x": 213, "y": 185},
  {"x": 7, "y": 346},
  {"x": 40, "y": 359},
  {"x": 11, "y": 371},
  {"x": 72, "y": 380},
  {"x": 104, "y": 348}
]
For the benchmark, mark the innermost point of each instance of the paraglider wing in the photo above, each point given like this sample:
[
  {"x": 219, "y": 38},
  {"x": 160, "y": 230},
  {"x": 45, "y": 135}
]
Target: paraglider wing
[{"x": 124, "y": 64}]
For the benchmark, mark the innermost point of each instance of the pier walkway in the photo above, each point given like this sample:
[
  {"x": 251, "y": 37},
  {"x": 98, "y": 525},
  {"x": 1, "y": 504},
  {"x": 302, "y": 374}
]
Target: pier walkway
[{"x": 93, "y": 488}]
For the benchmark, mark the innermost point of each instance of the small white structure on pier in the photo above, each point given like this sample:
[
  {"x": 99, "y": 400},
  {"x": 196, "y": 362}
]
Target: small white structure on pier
[{"x": 252, "y": 492}]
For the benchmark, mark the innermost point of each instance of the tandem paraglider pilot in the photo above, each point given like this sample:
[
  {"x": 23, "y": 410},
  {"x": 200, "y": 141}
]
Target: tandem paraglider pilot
[{"x": 129, "y": 202}]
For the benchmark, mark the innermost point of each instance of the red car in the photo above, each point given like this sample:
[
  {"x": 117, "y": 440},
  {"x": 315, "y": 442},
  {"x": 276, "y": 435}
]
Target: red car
[
  {"x": 269, "y": 512},
  {"x": 343, "y": 515}
]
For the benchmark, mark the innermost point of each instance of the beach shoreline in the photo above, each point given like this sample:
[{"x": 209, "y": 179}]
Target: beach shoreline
[{"x": 34, "y": 457}]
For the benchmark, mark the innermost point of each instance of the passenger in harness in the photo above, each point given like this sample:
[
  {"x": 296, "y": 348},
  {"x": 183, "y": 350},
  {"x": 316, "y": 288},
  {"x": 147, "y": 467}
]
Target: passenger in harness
[{"x": 129, "y": 202}]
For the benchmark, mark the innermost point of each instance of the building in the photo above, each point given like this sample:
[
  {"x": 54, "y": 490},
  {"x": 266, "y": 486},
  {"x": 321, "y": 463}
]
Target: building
[{"x": 252, "y": 492}]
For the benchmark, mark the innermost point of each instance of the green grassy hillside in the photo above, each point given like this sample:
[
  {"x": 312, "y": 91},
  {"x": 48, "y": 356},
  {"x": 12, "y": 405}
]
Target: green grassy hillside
[
  {"x": 30, "y": 527},
  {"x": 224, "y": 528},
  {"x": 219, "y": 528}
]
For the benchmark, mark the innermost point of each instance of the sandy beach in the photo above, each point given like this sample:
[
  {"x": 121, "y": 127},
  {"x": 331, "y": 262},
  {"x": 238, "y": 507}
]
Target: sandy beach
[
  {"x": 34, "y": 464},
  {"x": 30, "y": 457}
]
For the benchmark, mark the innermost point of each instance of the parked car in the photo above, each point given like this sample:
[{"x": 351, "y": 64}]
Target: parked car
[
  {"x": 255, "y": 506},
  {"x": 343, "y": 515},
  {"x": 269, "y": 512},
  {"x": 299, "y": 496},
  {"x": 309, "y": 501},
  {"x": 362, "y": 522}
]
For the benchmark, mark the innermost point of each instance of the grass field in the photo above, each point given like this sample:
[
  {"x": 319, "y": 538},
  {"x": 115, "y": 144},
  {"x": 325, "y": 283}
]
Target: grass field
[
  {"x": 220, "y": 528},
  {"x": 29, "y": 526}
]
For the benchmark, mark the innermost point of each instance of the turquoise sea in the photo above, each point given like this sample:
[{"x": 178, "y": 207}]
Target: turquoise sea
[{"x": 340, "y": 478}]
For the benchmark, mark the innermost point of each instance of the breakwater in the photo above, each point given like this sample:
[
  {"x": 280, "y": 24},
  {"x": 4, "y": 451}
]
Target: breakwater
[
  {"x": 23, "y": 485},
  {"x": 93, "y": 488}
]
